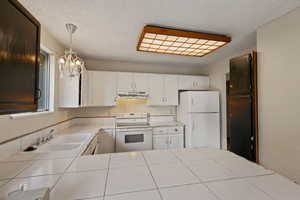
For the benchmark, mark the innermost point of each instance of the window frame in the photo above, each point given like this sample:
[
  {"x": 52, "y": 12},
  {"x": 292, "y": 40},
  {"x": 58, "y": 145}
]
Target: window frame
[
  {"x": 51, "y": 90},
  {"x": 46, "y": 82}
]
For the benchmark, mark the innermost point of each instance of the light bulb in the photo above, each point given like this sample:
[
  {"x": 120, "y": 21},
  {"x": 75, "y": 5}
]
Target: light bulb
[
  {"x": 61, "y": 61},
  {"x": 78, "y": 62}
]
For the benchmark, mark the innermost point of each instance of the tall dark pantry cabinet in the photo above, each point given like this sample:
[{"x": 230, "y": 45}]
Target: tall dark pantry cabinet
[{"x": 242, "y": 131}]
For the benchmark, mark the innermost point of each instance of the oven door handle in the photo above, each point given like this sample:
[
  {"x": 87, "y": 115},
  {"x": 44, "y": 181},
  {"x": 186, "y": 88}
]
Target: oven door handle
[{"x": 134, "y": 130}]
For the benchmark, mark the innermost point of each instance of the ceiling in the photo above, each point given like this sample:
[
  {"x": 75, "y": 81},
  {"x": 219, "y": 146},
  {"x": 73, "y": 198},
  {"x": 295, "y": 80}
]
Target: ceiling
[{"x": 110, "y": 29}]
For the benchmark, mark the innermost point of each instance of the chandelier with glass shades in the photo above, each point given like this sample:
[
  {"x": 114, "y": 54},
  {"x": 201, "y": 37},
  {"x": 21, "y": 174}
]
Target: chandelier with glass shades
[{"x": 70, "y": 64}]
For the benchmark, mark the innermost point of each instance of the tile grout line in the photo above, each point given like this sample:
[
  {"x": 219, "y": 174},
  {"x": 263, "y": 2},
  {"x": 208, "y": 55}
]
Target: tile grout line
[
  {"x": 220, "y": 180},
  {"x": 148, "y": 166},
  {"x": 259, "y": 189},
  {"x": 106, "y": 178},
  {"x": 29, "y": 164},
  {"x": 131, "y": 192},
  {"x": 201, "y": 182},
  {"x": 187, "y": 167},
  {"x": 223, "y": 179}
]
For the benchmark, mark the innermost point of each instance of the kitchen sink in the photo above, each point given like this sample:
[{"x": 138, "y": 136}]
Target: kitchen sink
[
  {"x": 70, "y": 139},
  {"x": 59, "y": 147}
]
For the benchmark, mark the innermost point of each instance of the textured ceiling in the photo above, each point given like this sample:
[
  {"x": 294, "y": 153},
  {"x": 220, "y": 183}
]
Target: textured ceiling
[{"x": 110, "y": 29}]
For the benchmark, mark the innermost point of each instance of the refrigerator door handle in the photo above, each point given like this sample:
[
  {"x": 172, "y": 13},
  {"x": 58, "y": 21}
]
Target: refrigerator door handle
[
  {"x": 192, "y": 101},
  {"x": 193, "y": 125}
]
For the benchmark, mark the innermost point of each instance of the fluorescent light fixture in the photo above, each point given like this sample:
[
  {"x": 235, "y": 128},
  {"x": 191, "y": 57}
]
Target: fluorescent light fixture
[{"x": 178, "y": 42}]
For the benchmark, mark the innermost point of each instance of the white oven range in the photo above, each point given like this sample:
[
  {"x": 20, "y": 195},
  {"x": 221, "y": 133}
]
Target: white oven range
[
  {"x": 133, "y": 132},
  {"x": 134, "y": 139}
]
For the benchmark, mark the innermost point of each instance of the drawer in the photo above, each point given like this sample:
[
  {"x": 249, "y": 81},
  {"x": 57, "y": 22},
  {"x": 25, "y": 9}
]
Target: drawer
[
  {"x": 175, "y": 129},
  {"x": 161, "y": 130}
]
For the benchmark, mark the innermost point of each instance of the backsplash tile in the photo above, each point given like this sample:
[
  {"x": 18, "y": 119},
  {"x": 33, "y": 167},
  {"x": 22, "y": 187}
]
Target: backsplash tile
[{"x": 22, "y": 143}]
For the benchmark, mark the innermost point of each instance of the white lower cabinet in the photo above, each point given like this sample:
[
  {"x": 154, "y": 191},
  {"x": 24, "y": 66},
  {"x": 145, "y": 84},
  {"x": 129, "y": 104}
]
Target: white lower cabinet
[
  {"x": 106, "y": 141},
  {"x": 160, "y": 141},
  {"x": 168, "y": 138},
  {"x": 175, "y": 141}
]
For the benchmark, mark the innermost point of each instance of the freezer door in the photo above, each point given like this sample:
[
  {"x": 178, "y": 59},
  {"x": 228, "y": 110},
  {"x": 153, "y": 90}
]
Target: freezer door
[
  {"x": 204, "y": 101},
  {"x": 205, "y": 130}
]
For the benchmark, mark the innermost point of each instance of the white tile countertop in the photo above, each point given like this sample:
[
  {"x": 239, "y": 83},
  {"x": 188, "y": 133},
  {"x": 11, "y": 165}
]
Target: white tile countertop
[{"x": 200, "y": 173}]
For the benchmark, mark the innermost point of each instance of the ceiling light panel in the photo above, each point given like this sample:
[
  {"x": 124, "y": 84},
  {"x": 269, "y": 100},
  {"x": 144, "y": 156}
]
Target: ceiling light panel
[{"x": 178, "y": 42}]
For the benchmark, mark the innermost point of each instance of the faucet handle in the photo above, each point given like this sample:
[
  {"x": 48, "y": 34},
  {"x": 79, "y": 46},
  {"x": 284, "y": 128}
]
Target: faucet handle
[{"x": 38, "y": 141}]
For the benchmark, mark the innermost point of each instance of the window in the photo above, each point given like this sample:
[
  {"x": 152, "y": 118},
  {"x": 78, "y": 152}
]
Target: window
[{"x": 44, "y": 82}]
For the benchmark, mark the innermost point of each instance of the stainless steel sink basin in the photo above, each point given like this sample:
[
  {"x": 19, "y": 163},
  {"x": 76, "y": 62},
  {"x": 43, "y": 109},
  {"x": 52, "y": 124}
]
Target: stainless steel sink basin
[
  {"x": 70, "y": 139},
  {"x": 59, "y": 147}
]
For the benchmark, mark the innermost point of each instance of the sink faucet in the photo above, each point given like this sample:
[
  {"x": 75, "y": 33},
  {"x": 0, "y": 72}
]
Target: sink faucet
[{"x": 50, "y": 135}]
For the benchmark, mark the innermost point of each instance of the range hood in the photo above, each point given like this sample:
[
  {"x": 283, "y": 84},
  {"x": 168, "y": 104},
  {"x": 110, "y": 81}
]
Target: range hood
[{"x": 133, "y": 95}]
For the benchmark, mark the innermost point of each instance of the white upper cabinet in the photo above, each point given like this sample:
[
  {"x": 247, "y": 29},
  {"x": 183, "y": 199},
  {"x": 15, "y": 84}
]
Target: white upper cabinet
[
  {"x": 128, "y": 82},
  {"x": 72, "y": 91},
  {"x": 193, "y": 82},
  {"x": 171, "y": 89},
  {"x": 140, "y": 81},
  {"x": 156, "y": 90},
  {"x": 125, "y": 81},
  {"x": 163, "y": 90},
  {"x": 102, "y": 88}
]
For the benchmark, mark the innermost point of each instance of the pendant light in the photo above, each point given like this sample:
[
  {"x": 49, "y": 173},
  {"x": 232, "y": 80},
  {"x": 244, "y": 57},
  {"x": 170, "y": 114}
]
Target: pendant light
[{"x": 70, "y": 64}]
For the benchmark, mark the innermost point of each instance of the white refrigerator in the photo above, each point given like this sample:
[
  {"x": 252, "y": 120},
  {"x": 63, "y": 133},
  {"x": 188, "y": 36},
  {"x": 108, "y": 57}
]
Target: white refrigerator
[{"x": 200, "y": 112}]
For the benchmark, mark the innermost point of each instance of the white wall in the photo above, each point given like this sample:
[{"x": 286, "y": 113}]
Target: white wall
[
  {"x": 106, "y": 65},
  {"x": 11, "y": 128},
  {"x": 278, "y": 45},
  {"x": 217, "y": 74}
]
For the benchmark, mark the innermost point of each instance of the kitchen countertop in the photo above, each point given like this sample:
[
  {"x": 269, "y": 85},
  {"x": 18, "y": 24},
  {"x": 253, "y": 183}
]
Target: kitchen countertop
[
  {"x": 172, "y": 174},
  {"x": 165, "y": 124},
  {"x": 151, "y": 175}
]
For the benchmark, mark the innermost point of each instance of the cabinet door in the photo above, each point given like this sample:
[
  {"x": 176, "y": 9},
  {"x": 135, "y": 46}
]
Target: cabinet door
[
  {"x": 107, "y": 142},
  {"x": 156, "y": 90},
  {"x": 171, "y": 90},
  {"x": 69, "y": 92},
  {"x": 102, "y": 88},
  {"x": 193, "y": 82},
  {"x": 176, "y": 141},
  {"x": 186, "y": 83},
  {"x": 160, "y": 141},
  {"x": 84, "y": 88},
  {"x": 140, "y": 82},
  {"x": 125, "y": 82},
  {"x": 202, "y": 82}
]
